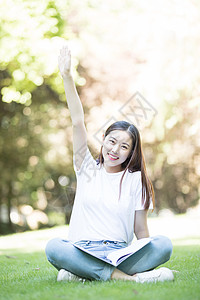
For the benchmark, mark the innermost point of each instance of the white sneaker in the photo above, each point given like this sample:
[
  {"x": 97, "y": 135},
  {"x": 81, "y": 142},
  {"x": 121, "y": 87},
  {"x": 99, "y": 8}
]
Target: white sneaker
[
  {"x": 64, "y": 275},
  {"x": 161, "y": 274}
]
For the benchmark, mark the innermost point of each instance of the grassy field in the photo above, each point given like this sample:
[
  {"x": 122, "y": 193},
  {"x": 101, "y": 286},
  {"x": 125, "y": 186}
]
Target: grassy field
[{"x": 26, "y": 274}]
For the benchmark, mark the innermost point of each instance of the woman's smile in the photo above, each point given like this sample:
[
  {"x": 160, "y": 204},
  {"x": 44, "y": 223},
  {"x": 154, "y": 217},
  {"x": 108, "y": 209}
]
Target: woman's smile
[
  {"x": 116, "y": 148},
  {"x": 112, "y": 156}
]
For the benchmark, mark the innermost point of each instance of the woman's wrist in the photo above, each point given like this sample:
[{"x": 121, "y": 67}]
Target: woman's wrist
[{"x": 67, "y": 76}]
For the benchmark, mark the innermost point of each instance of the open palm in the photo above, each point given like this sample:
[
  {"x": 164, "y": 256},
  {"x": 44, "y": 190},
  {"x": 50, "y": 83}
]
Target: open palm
[{"x": 64, "y": 61}]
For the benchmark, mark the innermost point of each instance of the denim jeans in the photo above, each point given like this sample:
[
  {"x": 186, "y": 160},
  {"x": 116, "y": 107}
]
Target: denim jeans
[{"x": 62, "y": 254}]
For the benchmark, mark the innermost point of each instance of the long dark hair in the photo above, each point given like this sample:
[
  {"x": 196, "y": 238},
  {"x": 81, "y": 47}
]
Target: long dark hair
[{"x": 134, "y": 162}]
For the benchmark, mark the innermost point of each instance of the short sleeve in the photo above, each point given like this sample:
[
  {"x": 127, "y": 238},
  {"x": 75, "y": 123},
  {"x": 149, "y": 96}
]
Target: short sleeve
[
  {"x": 88, "y": 166},
  {"x": 139, "y": 205}
]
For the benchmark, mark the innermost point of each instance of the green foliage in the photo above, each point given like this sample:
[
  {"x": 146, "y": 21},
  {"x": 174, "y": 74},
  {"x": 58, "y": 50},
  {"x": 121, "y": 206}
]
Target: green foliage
[
  {"x": 29, "y": 157},
  {"x": 36, "y": 136},
  {"x": 32, "y": 111},
  {"x": 29, "y": 34}
]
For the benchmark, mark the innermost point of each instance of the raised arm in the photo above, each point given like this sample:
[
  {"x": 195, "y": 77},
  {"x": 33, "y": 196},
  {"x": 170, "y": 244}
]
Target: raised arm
[{"x": 74, "y": 105}]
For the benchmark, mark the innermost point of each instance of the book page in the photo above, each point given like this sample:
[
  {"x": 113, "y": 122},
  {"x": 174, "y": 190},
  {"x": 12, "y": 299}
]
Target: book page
[{"x": 117, "y": 256}]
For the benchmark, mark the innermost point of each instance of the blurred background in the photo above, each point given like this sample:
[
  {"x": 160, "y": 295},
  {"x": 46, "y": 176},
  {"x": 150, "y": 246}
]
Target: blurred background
[{"x": 144, "y": 54}]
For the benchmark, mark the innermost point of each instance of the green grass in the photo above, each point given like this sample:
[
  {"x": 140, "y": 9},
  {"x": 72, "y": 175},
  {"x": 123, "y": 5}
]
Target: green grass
[{"x": 28, "y": 275}]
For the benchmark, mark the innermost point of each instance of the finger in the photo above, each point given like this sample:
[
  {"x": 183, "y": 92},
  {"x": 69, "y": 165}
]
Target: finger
[
  {"x": 62, "y": 51},
  {"x": 65, "y": 46},
  {"x": 65, "y": 52}
]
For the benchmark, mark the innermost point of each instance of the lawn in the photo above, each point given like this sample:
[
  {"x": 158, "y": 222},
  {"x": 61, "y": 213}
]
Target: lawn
[{"x": 26, "y": 274}]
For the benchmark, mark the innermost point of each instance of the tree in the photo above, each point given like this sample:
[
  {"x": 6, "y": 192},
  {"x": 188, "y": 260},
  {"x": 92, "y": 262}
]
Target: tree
[
  {"x": 31, "y": 105},
  {"x": 173, "y": 154}
]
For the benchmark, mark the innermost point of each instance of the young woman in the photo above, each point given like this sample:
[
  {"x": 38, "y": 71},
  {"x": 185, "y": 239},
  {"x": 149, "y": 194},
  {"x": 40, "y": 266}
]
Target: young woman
[{"x": 112, "y": 200}]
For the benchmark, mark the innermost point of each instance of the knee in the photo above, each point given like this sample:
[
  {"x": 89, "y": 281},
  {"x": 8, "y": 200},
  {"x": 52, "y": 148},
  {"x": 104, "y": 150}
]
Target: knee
[
  {"x": 51, "y": 248},
  {"x": 164, "y": 245}
]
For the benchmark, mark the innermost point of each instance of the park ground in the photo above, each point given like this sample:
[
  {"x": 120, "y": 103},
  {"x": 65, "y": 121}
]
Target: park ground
[{"x": 26, "y": 274}]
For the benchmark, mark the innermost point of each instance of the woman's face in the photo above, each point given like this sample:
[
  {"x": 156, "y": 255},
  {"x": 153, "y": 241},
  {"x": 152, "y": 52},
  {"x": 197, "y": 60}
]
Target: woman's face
[{"x": 117, "y": 146}]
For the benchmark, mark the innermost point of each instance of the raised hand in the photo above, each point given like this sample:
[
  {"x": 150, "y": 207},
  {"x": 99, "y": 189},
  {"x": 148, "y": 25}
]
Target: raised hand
[
  {"x": 74, "y": 106},
  {"x": 64, "y": 61}
]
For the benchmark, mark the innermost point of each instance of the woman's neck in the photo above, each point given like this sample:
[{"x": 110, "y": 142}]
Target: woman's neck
[{"x": 115, "y": 169}]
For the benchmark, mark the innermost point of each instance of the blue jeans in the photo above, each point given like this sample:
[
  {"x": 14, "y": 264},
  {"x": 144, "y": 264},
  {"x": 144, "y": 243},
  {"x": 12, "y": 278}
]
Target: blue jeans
[{"x": 63, "y": 255}]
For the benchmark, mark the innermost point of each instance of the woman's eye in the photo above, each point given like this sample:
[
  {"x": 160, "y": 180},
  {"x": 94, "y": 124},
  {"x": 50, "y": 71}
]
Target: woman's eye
[
  {"x": 124, "y": 147},
  {"x": 112, "y": 141}
]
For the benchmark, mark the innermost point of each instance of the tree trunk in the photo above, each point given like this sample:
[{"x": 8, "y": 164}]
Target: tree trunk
[{"x": 9, "y": 206}]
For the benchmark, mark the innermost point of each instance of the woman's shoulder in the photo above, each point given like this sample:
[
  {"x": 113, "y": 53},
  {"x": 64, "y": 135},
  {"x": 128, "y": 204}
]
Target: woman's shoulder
[
  {"x": 134, "y": 174},
  {"x": 88, "y": 163},
  {"x": 134, "y": 178}
]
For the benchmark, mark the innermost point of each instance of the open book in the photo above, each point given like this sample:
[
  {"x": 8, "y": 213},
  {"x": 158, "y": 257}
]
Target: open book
[{"x": 118, "y": 256}]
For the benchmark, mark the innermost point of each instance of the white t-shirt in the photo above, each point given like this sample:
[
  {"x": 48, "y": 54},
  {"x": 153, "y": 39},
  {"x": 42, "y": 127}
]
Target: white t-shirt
[{"x": 97, "y": 214}]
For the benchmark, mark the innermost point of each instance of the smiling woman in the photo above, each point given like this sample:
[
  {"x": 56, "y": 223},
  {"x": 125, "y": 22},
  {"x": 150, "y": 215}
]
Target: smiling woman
[
  {"x": 112, "y": 199},
  {"x": 122, "y": 150},
  {"x": 116, "y": 148}
]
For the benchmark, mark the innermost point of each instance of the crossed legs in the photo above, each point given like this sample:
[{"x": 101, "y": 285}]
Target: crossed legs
[{"x": 63, "y": 255}]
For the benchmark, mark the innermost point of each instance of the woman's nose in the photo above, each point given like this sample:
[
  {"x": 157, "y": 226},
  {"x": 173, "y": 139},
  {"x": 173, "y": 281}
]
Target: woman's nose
[{"x": 115, "y": 148}]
